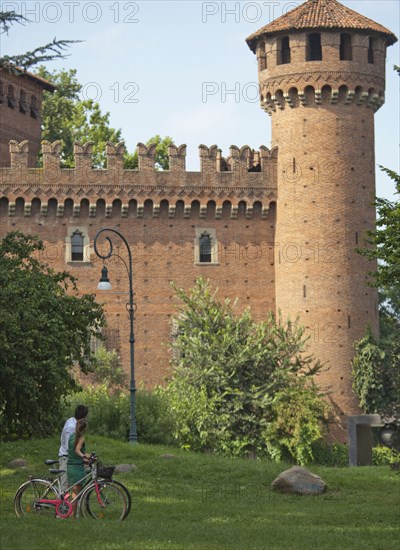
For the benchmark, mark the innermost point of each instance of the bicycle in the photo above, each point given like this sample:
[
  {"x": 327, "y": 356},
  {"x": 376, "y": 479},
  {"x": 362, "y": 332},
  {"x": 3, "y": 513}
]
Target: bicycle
[{"x": 101, "y": 497}]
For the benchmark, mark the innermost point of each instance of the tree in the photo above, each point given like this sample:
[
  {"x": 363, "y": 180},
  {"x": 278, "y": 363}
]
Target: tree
[
  {"x": 45, "y": 328},
  {"x": 376, "y": 366},
  {"x": 162, "y": 160},
  {"x": 385, "y": 241},
  {"x": 66, "y": 117},
  {"x": 69, "y": 118},
  {"x": 108, "y": 370},
  {"x": 230, "y": 376},
  {"x": 20, "y": 63},
  {"x": 389, "y": 315}
]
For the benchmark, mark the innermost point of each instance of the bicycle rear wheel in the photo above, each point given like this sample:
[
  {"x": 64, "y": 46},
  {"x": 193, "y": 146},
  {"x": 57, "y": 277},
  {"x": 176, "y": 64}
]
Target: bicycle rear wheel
[
  {"x": 27, "y": 497},
  {"x": 111, "y": 504}
]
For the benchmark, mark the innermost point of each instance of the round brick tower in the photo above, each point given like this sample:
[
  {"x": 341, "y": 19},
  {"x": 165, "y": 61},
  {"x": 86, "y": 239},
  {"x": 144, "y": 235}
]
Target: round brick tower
[{"x": 322, "y": 77}]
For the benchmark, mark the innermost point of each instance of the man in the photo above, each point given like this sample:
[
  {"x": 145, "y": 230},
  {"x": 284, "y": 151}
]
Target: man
[{"x": 69, "y": 428}]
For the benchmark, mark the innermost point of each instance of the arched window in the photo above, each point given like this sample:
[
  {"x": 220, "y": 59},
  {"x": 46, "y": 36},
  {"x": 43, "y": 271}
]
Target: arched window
[
  {"x": 283, "y": 51},
  {"x": 77, "y": 247},
  {"x": 23, "y": 106},
  {"x": 11, "y": 97},
  {"x": 314, "y": 49},
  {"x": 205, "y": 248},
  {"x": 371, "y": 47},
  {"x": 345, "y": 47},
  {"x": 34, "y": 107}
]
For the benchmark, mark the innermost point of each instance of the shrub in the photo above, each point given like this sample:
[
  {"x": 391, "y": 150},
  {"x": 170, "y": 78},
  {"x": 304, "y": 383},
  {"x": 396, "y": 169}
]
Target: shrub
[
  {"x": 296, "y": 423},
  {"x": 109, "y": 414},
  {"x": 334, "y": 455},
  {"x": 383, "y": 456},
  {"x": 154, "y": 418},
  {"x": 232, "y": 376}
]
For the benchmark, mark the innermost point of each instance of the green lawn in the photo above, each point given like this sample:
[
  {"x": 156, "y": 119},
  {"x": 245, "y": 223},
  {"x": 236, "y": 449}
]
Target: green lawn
[{"x": 199, "y": 501}]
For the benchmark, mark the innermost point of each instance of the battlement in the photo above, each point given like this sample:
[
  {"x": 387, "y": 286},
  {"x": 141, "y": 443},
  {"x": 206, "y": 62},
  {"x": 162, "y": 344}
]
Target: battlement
[{"x": 246, "y": 177}]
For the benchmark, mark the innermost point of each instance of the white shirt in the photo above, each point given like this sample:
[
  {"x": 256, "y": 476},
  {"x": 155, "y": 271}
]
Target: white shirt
[{"x": 68, "y": 430}]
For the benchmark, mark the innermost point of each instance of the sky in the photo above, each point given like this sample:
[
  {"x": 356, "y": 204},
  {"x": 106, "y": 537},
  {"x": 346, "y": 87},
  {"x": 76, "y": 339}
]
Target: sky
[{"x": 182, "y": 68}]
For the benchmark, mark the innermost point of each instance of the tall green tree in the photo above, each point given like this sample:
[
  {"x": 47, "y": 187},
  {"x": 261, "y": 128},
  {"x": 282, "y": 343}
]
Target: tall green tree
[
  {"x": 66, "y": 116},
  {"x": 385, "y": 240},
  {"x": 45, "y": 329},
  {"x": 231, "y": 377},
  {"x": 69, "y": 118},
  {"x": 376, "y": 366},
  {"x": 22, "y": 62}
]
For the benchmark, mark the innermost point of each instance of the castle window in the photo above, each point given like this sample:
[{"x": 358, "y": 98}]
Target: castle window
[
  {"x": 345, "y": 47},
  {"x": 23, "y": 106},
  {"x": 77, "y": 247},
  {"x": 262, "y": 57},
  {"x": 371, "y": 47},
  {"x": 283, "y": 51},
  {"x": 34, "y": 107},
  {"x": 205, "y": 246},
  {"x": 11, "y": 97},
  {"x": 1, "y": 92},
  {"x": 314, "y": 49}
]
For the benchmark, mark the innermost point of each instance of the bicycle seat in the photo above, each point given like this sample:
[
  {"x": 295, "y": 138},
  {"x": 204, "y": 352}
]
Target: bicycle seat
[
  {"x": 54, "y": 471},
  {"x": 51, "y": 462}
]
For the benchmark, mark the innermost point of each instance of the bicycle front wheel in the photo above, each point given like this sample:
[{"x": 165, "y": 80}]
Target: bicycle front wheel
[
  {"x": 26, "y": 500},
  {"x": 109, "y": 503}
]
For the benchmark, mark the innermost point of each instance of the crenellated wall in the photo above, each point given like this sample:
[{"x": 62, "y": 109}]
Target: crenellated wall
[
  {"x": 246, "y": 176},
  {"x": 161, "y": 213}
]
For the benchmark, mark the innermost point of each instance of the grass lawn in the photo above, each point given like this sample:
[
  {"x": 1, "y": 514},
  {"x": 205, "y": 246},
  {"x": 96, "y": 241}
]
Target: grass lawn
[{"x": 196, "y": 501}]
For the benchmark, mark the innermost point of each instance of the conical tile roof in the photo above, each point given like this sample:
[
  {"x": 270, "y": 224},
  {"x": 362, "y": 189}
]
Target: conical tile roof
[{"x": 321, "y": 14}]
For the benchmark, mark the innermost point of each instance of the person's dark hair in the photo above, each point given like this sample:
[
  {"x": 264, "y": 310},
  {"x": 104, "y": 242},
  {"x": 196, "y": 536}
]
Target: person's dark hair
[
  {"x": 81, "y": 411},
  {"x": 81, "y": 426}
]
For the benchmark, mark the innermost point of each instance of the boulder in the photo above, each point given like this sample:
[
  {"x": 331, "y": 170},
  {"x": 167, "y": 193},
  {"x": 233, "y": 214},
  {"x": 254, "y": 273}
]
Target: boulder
[
  {"x": 18, "y": 463},
  {"x": 299, "y": 481},
  {"x": 124, "y": 468}
]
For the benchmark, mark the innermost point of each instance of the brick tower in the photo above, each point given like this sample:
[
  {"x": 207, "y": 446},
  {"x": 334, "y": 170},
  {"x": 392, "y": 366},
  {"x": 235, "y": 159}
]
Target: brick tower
[
  {"x": 322, "y": 77},
  {"x": 20, "y": 110}
]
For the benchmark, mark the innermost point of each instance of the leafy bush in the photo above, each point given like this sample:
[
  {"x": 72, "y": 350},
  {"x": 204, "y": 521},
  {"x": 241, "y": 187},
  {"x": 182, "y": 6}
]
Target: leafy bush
[
  {"x": 109, "y": 414},
  {"x": 334, "y": 455},
  {"x": 108, "y": 369},
  {"x": 376, "y": 378},
  {"x": 296, "y": 423},
  {"x": 368, "y": 373},
  {"x": 155, "y": 423},
  {"x": 383, "y": 456},
  {"x": 232, "y": 376}
]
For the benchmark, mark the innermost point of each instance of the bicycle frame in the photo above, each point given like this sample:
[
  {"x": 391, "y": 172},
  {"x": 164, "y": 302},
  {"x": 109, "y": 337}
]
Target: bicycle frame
[{"x": 58, "y": 503}]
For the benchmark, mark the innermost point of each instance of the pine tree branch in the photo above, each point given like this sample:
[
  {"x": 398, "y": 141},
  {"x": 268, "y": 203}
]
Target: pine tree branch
[
  {"x": 18, "y": 64},
  {"x": 7, "y": 18}
]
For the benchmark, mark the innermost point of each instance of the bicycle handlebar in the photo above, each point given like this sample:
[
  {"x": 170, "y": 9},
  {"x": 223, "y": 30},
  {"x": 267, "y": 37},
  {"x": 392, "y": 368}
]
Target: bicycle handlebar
[{"x": 92, "y": 460}]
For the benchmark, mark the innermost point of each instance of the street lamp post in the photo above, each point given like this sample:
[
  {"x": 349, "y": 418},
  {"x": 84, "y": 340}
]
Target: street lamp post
[{"x": 104, "y": 284}]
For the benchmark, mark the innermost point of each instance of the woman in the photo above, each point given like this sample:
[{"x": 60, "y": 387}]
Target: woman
[{"x": 77, "y": 457}]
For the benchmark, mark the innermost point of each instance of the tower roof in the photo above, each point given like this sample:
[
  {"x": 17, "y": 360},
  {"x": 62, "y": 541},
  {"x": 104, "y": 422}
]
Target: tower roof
[
  {"x": 19, "y": 72},
  {"x": 321, "y": 14}
]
